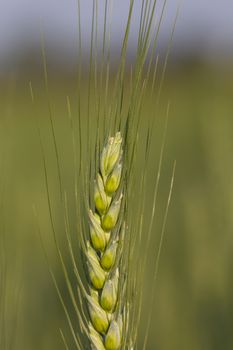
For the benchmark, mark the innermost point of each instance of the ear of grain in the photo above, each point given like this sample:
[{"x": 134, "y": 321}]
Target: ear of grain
[
  {"x": 111, "y": 182},
  {"x": 103, "y": 256}
]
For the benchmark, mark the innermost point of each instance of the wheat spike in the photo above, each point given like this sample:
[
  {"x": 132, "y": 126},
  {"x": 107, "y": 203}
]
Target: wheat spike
[{"x": 103, "y": 253}]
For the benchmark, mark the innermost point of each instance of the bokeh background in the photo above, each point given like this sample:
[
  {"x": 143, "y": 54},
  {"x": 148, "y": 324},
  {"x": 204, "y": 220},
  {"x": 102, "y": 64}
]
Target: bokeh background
[{"x": 193, "y": 306}]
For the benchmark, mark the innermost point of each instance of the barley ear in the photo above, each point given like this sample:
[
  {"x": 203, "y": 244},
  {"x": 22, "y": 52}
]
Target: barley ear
[{"x": 103, "y": 255}]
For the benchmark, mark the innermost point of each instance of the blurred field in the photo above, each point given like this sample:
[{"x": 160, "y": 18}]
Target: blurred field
[{"x": 193, "y": 306}]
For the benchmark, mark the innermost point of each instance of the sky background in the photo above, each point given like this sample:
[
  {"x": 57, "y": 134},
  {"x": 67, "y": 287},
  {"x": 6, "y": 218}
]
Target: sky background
[{"x": 203, "y": 25}]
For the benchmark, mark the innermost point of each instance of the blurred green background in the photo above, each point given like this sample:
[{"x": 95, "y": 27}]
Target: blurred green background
[{"x": 193, "y": 305}]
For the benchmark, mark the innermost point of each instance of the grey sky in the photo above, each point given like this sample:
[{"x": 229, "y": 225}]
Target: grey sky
[{"x": 208, "y": 22}]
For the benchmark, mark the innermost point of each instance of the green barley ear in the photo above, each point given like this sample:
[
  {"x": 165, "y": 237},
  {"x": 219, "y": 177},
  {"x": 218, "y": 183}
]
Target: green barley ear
[
  {"x": 103, "y": 252},
  {"x": 113, "y": 223}
]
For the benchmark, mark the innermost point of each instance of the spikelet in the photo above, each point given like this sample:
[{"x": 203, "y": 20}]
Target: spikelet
[{"x": 103, "y": 253}]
